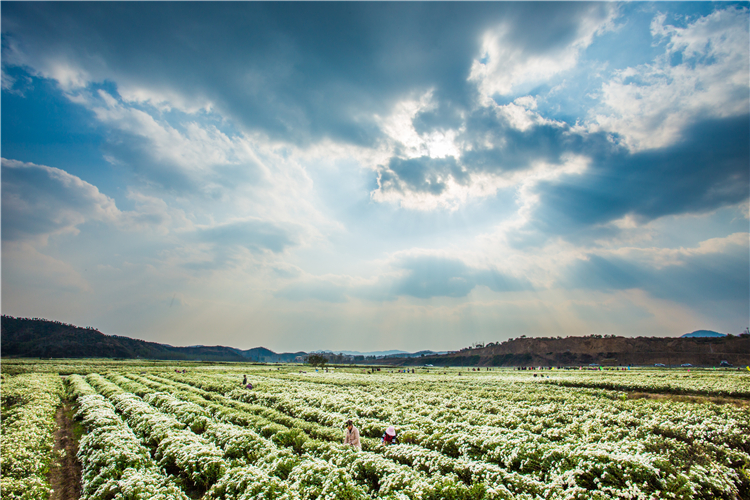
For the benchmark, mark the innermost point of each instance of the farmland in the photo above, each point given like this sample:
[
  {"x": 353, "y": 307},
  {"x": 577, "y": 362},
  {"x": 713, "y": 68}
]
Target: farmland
[{"x": 191, "y": 430}]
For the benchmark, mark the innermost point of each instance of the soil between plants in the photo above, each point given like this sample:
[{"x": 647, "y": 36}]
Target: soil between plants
[{"x": 65, "y": 473}]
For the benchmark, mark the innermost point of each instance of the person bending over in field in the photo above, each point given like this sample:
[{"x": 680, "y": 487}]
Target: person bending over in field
[
  {"x": 351, "y": 435},
  {"x": 390, "y": 436}
]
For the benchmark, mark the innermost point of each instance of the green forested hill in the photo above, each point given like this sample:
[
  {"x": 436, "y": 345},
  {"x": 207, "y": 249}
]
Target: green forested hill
[
  {"x": 23, "y": 337},
  {"x": 607, "y": 350}
]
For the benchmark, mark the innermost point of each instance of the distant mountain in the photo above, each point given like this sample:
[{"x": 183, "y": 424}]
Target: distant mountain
[
  {"x": 41, "y": 338},
  {"x": 360, "y": 353},
  {"x": 594, "y": 349},
  {"x": 702, "y": 334},
  {"x": 381, "y": 354},
  {"x": 263, "y": 355},
  {"x": 418, "y": 354}
]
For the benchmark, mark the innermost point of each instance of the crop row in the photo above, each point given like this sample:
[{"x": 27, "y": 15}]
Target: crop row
[
  {"x": 271, "y": 422},
  {"x": 708, "y": 383},
  {"x": 114, "y": 463},
  {"x": 29, "y": 403},
  {"x": 531, "y": 407},
  {"x": 629, "y": 455},
  {"x": 370, "y": 471},
  {"x": 183, "y": 451}
]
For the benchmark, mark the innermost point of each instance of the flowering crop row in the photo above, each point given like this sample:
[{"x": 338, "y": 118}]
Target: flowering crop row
[
  {"x": 514, "y": 406},
  {"x": 704, "y": 382},
  {"x": 484, "y": 435},
  {"x": 493, "y": 477},
  {"x": 29, "y": 403},
  {"x": 175, "y": 447},
  {"x": 275, "y": 473},
  {"x": 369, "y": 471},
  {"x": 268, "y": 420},
  {"x": 239, "y": 479},
  {"x": 601, "y": 445},
  {"x": 115, "y": 465}
]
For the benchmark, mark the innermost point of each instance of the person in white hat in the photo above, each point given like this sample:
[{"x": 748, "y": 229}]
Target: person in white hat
[
  {"x": 390, "y": 436},
  {"x": 351, "y": 435}
]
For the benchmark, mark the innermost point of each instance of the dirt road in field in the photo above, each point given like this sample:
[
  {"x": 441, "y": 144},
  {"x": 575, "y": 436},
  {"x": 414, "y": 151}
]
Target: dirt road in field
[{"x": 65, "y": 476}]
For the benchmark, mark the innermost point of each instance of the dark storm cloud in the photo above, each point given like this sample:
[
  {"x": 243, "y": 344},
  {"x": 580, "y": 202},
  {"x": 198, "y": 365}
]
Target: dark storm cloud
[
  {"x": 513, "y": 149},
  {"x": 706, "y": 170},
  {"x": 297, "y": 71},
  {"x": 492, "y": 145},
  {"x": 422, "y": 174},
  {"x": 722, "y": 275}
]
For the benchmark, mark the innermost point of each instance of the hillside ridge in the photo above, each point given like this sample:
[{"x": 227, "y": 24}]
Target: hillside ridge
[
  {"x": 608, "y": 350},
  {"x": 42, "y": 338}
]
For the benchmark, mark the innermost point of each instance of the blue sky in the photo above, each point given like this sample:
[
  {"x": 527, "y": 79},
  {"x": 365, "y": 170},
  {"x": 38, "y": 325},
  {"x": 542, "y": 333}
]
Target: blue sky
[{"x": 368, "y": 176}]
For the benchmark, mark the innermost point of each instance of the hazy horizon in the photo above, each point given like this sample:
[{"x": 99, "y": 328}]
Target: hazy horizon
[{"x": 376, "y": 176}]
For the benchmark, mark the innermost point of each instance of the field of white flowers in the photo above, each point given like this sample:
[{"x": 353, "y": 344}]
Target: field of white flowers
[
  {"x": 29, "y": 403},
  {"x": 156, "y": 431}
]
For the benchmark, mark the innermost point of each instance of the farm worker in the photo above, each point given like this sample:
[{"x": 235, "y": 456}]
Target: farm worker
[
  {"x": 249, "y": 386},
  {"x": 244, "y": 380},
  {"x": 390, "y": 436},
  {"x": 351, "y": 436}
]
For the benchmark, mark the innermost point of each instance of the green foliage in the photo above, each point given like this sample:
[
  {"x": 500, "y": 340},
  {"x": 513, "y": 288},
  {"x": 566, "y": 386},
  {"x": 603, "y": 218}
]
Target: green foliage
[
  {"x": 291, "y": 438},
  {"x": 28, "y": 421},
  {"x": 316, "y": 360}
]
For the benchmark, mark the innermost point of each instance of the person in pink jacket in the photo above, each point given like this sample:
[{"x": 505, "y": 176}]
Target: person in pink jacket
[{"x": 351, "y": 435}]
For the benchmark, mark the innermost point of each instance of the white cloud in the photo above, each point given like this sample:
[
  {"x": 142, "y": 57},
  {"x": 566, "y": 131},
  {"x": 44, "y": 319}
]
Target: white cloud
[
  {"x": 195, "y": 151},
  {"x": 659, "y": 258},
  {"x": 249, "y": 175},
  {"x": 505, "y": 65},
  {"x": 7, "y": 81},
  {"x": 408, "y": 144},
  {"x": 399, "y": 127},
  {"x": 39, "y": 201},
  {"x": 69, "y": 76},
  {"x": 651, "y": 104},
  {"x": 155, "y": 213}
]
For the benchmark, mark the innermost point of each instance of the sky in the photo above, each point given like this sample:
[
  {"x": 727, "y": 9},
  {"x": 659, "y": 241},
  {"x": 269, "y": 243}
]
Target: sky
[{"x": 373, "y": 176}]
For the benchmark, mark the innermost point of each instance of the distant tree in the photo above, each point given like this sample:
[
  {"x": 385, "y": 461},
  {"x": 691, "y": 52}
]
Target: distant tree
[{"x": 316, "y": 360}]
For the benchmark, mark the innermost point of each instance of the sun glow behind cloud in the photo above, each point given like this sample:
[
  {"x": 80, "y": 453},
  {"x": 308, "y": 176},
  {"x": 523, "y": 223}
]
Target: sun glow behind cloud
[{"x": 462, "y": 180}]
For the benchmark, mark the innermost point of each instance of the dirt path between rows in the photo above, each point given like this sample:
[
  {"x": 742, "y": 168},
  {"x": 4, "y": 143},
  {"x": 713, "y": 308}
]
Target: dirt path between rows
[{"x": 65, "y": 475}]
